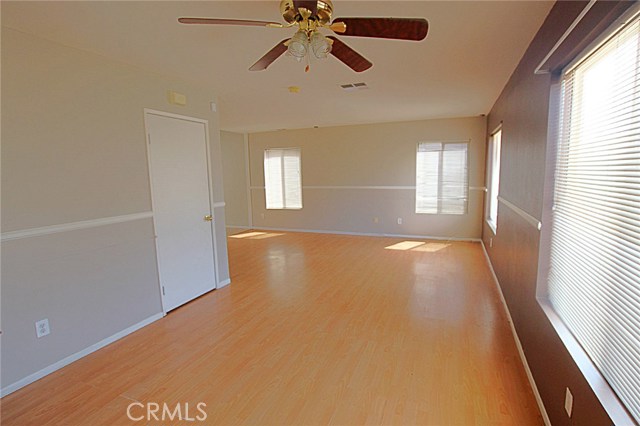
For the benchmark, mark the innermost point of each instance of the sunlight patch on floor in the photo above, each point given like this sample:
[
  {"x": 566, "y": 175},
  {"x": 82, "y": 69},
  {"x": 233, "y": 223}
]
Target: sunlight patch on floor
[
  {"x": 405, "y": 245},
  {"x": 247, "y": 235},
  {"x": 265, "y": 235},
  {"x": 431, "y": 247},
  {"x": 255, "y": 235},
  {"x": 418, "y": 246}
]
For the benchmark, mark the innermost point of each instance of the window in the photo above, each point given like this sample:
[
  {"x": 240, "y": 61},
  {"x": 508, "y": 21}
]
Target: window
[
  {"x": 441, "y": 178},
  {"x": 593, "y": 281},
  {"x": 493, "y": 179},
  {"x": 282, "y": 178}
]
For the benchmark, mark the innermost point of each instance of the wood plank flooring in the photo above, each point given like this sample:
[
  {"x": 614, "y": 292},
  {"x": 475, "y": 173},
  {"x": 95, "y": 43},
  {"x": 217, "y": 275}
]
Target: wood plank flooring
[{"x": 314, "y": 330}]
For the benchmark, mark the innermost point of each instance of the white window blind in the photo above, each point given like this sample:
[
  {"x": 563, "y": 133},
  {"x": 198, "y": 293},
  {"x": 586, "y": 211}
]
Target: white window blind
[
  {"x": 282, "y": 178},
  {"x": 442, "y": 178},
  {"x": 493, "y": 179},
  {"x": 594, "y": 271}
]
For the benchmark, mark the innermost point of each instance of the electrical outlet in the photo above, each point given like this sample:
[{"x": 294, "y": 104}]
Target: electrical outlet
[
  {"x": 261, "y": 215},
  {"x": 568, "y": 402},
  {"x": 399, "y": 221},
  {"x": 375, "y": 220},
  {"x": 42, "y": 328}
]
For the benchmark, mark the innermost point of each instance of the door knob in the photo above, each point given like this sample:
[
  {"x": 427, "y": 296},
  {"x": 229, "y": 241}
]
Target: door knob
[{"x": 208, "y": 218}]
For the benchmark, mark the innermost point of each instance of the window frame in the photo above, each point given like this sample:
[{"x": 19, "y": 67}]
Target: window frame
[
  {"x": 491, "y": 174},
  {"x": 609, "y": 400},
  {"x": 299, "y": 150},
  {"x": 466, "y": 182}
]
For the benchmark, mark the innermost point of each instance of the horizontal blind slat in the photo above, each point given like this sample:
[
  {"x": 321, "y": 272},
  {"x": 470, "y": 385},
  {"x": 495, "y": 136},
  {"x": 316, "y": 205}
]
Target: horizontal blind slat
[{"x": 594, "y": 269}]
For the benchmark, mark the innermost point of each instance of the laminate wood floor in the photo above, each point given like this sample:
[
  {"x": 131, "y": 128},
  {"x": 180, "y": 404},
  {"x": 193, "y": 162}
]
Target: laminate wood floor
[{"x": 314, "y": 330}]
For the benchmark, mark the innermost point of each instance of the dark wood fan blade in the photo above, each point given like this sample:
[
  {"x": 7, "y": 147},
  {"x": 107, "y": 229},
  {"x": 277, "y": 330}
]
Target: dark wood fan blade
[
  {"x": 350, "y": 57},
  {"x": 215, "y": 21},
  {"x": 395, "y": 28},
  {"x": 270, "y": 56},
  {"x": 309, "y": 5}
]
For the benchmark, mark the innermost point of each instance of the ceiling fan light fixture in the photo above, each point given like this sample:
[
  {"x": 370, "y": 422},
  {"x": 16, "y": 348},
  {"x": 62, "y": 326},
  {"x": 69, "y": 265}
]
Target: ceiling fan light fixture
[
  {"x": 309, "y": 16},
  {"x": 320, "y": 45},
  {"x": 298, "y": 45}
]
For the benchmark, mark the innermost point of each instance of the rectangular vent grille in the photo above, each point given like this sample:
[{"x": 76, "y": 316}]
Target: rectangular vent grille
[{"x": 354, "y": 86}]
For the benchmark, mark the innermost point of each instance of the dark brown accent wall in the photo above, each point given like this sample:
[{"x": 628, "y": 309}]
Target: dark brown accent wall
[{"x": 523, "y": 109}]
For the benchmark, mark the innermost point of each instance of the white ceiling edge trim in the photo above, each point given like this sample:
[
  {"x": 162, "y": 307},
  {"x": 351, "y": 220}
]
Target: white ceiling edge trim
[{"x": 256, "y": 130}]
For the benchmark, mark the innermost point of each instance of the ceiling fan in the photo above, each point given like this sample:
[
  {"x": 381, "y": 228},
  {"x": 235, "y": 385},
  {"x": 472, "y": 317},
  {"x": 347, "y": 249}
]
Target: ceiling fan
[{"x": 312, "y": 15}]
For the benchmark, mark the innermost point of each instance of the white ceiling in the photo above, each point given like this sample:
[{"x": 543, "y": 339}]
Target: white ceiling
[{"x": 458, "y": 70}]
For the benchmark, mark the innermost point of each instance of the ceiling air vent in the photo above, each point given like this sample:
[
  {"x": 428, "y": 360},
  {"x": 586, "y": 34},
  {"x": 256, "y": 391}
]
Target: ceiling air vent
[{"x": 354, "y": 86}]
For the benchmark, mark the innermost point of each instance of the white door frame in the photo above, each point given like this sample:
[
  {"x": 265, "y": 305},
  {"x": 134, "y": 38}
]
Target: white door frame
[{"x": 148, "y": 111}]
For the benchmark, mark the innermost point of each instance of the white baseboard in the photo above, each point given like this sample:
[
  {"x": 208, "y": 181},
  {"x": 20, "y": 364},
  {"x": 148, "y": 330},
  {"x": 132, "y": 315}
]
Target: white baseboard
[
  {"x": 365, "y": 234},
  {"x": 76, "y": 356},
  {"x": 523, "y": 358},
  {"x": 224, "y": 283}
]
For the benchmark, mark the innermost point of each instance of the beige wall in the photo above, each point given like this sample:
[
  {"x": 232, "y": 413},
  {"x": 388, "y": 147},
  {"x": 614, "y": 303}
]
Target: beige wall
[
  {"x": 368, "y": 156},
  {"x": 234, "y": 154},
  {"x": 73, "y": 150}
]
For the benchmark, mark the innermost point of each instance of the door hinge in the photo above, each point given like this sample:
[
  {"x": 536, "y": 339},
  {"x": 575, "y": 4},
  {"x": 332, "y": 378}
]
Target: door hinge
[
  {"x": 149, "y": 138},
  {"x": 163, "y": 291}
]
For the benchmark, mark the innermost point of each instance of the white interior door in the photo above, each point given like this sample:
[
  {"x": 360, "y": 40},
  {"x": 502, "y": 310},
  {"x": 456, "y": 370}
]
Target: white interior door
[{"x": 181, "y": 203}]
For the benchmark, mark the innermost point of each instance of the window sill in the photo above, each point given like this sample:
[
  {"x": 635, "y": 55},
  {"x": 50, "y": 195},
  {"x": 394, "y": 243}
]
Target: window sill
[
  {"x": 444, "y": 214},
  {"x": 607, "y": 397},
  {"x": 493, "y": 227}
]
